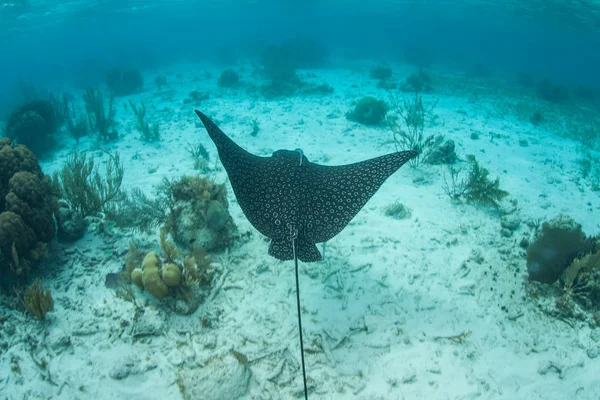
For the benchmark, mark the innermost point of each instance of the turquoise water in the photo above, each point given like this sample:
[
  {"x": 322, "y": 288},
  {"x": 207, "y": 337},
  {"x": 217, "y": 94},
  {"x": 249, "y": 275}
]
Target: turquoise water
[{"x": 463, "y": 264}]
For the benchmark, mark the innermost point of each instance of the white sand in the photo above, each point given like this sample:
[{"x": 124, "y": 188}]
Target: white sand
[{"x": 372, "y": 310}]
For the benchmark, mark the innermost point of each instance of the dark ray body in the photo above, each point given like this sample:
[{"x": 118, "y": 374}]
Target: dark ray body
[
  {"x": 297, "y": 203},
  {"x": 286, "y": 193}
]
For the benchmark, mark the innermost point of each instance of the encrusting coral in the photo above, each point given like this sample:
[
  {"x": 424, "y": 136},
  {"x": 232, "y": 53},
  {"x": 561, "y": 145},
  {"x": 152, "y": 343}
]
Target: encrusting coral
[{"x": 199, "y": 214}]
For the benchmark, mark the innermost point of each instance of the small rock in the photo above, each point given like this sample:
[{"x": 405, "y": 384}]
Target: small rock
[
  {"x": 510, "y": 222},
  {"x": 225, "y": 378},
  {"x": 593, "y": 352},
  {"x": 149, "y": 323},
  {"x": 124, "y": 367}
]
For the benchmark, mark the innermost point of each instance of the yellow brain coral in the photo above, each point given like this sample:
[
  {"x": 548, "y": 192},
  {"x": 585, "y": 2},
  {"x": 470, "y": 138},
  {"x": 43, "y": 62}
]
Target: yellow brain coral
[{"x": 151, "y": 279}]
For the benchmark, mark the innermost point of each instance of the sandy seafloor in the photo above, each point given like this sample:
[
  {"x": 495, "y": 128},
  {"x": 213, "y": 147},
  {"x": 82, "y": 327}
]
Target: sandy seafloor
[{"x": 372, "y": 310}]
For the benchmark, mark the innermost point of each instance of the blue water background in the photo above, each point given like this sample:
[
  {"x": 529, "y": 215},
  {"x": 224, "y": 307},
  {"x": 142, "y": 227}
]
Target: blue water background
[{"x": 47, "y": 44}]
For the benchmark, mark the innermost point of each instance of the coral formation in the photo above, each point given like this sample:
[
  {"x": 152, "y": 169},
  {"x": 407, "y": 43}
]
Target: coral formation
[
  {"x": 558, "y": 243},
  {"x": 411, "y": 135},
  {"x": 168, "y": 275},
  {"x": 70, "y": 224},
  {"x": 368, "y": 111},
  {"x": 397, "y": 210},
  {"x": 199, "y": 214},
  {"x": 552, "y": 93},
  {"x": 84, "y": 188},
  {"x": 171, "y": 275},
  {"x": 100, "y": 121},
  {"x": 582, "y": 281},
  {"x": 443, "y": 154},
  {"x": 228, "y": 78},
  {"x": 196, "y": 97},
  {"x": 480, "y": 189},
  {"x": 33, "y": 124},
  {"x": 380, "y": 73},
  {"x": 27, "y": 204},
  {"x": 417, "y": 82},
  {"x": 38, "y": 301},
  {"x": 147, "y": 132},
  {"x": 477, "y": 187},
  {"x": 151, "y": 279},
  {"x": 160, "y": 81},
  {"x": 124, "y": 82}
]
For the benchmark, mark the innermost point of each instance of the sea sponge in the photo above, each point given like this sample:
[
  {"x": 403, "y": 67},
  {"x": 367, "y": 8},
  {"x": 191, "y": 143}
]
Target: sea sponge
[
  {"x": 555, "y": 247},
  {"x": 171, "y": 275},
  {"x": 151, "y": 279}
]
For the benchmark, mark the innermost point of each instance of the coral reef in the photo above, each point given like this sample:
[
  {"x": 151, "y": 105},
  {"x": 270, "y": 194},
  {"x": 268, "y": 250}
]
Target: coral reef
[
  {"x": 27, "y": 204},
  {"x": 479, "y": 71},
  {"x": 199, "y": 215},
  {"x": 417, "y": 82},
  {"x": 552, "y": 93},
  {"x": 380, "y": 73},
  {"x": 33, "y": 124},
  {"x": 196, "y": 97},
  {"x": 160, "y": 81},
  {"x": 124, "y": 82},
  {"x": 581, "y": 281},
  {"x": 368, "y": 111},
  {"x": 418, "y": 56},
  {"x": 443, "y": 154},
  {"x": 228, "y": 78},
  {"x": 558, "y": 243},
  {"x": 170, "y": 275},
  {"x": 279, "y": 64},
  {"x": 151, "y": 279}
]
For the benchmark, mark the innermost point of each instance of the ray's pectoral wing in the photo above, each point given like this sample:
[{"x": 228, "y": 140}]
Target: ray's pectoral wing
[
  {"x": 335, "y": 195},
  {"x": 249, "y": 177}
]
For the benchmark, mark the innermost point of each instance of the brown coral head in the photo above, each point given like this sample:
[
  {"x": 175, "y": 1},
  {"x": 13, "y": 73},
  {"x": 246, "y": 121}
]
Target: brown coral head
[{"x": 556, "y": 246}]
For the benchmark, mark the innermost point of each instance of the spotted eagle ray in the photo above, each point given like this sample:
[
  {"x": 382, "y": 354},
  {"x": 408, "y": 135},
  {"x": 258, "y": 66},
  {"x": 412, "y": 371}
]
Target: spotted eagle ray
[{"x": 297, "y": 203}]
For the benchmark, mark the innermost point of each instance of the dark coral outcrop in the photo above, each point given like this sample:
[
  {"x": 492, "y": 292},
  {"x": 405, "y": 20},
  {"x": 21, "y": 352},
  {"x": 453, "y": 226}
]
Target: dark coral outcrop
[
  {"x": 27, "y": 205},
  {"x": 558, "y": 243},
  {"x": 199, "y": 214},
  {"x": 33, "y": 124}
]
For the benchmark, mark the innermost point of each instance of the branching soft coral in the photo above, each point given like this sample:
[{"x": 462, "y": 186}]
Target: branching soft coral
[
  {"x": 477, "y": 187},
  {"x": 82, "y": 185}
]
